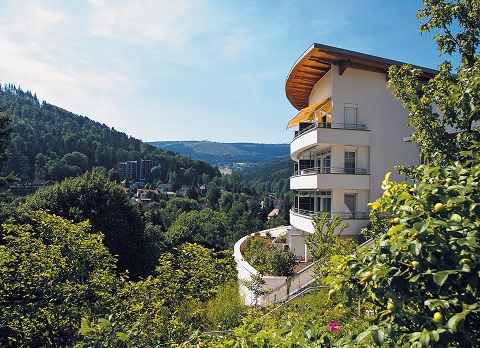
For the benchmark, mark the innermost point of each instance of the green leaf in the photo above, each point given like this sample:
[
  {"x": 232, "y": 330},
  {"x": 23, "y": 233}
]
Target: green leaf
[
  {"x": 122, "y": 336},
  {"x": 455, "y": 320},
  {"x": 421, "y": 226},
  {"x": 425, "y": 338},
  {"x": 104, "y": 323},
  {"x": 456, "y": 218},
  {"x": 414, "y": 336},
  {"x": 456, "y": 200},
  {"x": 363, "y": 335},
  {"x": 378, "y": 336},
  {"x": 406, "y": 208},
  {"x": 441, "y": 277},
  {"x": 434, "y": 336},
  {"x": 403, "y": 196}
]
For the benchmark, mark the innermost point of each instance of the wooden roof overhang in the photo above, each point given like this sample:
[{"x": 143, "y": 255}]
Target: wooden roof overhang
[{"x": 317, "y": 61}]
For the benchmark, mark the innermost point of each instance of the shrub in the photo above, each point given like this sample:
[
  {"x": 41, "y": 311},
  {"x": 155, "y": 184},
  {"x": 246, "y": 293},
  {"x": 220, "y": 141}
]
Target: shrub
[
  {"x": 225, "y": 310},
  {"x": 268, "y": 259},
  {"x": 281, "y": 262},
  {"x": 423, "y": 275}
]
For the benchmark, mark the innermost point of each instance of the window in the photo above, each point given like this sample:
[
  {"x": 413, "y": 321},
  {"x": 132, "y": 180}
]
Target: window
[
  {"x": 351, "y": 204},
  {"x": 350, "y": 115},
  {"x": 324, "y": 201},
  {"x": 305, "y": 203},
  {"x": 350, "y": 162},
  {"x": 305, "y": 164},
  {"x": 324, "y": 160}
]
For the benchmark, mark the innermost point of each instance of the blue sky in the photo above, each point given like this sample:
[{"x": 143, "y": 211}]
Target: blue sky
[{"x": 187, "y": 69}]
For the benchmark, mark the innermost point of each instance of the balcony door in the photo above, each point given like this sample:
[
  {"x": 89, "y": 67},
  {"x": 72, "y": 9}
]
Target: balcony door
[
  {"x": 351, "y": 204},
  {"x": 324, "y": 161},
  {"x": 350, "y": 162},
  {"x": 324, "y": 202},
  {"x": 351, "y": 116}
]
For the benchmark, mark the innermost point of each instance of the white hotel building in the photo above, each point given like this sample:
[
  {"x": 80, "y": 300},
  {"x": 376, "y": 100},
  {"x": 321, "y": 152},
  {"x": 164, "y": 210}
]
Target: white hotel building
[{"x": 349, "y": 132}]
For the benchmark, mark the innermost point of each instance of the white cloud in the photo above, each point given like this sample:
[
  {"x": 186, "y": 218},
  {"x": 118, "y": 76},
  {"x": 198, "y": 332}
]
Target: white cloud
[
  {"x": 173, "y": 23},
  {"x": 49, "y": 54}
]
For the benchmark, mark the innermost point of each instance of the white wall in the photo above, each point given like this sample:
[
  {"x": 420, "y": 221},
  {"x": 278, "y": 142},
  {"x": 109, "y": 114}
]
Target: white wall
[
  {"x": 378, "y": 151},
  {"x": 383, "y": 115}
]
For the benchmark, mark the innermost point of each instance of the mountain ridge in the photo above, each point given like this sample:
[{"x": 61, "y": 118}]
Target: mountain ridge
[{"x": 237, "y": 155}]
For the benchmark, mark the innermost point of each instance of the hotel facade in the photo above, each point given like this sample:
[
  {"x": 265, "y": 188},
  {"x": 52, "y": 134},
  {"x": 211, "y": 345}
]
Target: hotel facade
[{"x": 349, "y": 132}]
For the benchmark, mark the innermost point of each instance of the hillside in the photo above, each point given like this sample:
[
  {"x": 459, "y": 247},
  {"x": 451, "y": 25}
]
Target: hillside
[
  {"x": 232, "y": 155},
  {"x": 51, "y": 143},
  {"x": 271, "y": 177}
]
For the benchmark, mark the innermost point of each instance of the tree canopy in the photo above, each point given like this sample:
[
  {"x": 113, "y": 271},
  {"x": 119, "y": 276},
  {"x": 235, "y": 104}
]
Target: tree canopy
[
  {"x": 5, "y": 132},
  {"x": 445, "y": 110},
  {"x": 54, "y": 272},
  {"x": 50, "y": 143},
  {"x": 91, "y": 197}
]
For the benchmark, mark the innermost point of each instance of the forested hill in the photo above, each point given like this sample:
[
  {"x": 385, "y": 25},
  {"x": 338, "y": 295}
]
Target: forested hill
[
  {"x": 51, "y": 143},
  {"x": 271, "y": 177},
  {"x": 226, "y": 154}
]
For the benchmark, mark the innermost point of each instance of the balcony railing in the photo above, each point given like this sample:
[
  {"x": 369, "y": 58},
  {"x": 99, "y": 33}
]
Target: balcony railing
[
  {"x": 330, "y": 170},
  {"x": 343, "y": 215},
  {"x": 351, "y": 126}
]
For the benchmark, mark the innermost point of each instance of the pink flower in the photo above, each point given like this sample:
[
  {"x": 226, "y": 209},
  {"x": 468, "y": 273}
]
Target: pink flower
[{"x": 333, "y": 326}]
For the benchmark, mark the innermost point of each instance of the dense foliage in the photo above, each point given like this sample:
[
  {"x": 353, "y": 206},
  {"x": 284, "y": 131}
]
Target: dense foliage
[
  {"x": 424, "y": 276},
  {"x": 5, "y": 132},
  {"x": 51, "y": 143},
  {"x": 268, "y": 256},
  {"x": 53, "y": 273},
  {"x": 57, "y": 275},
  {"x": 444, "y": 111},
  {"x": 64, "y": 251},
  {"x": 91, "y": 197},
  {"x": 271, "y": 177},
  {"x": 326, "y": 244}
]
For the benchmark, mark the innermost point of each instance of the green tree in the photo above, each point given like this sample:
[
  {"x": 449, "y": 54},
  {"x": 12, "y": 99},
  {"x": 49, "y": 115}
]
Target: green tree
[
  {"x": 455, "y": 98},
  {"x": 423, "y": 275},
  {"x": 276, "y": 221},
  {"x": 193, "y": 271},
  {"x": 77, "y": 159},
  {"x": 326, "y": 244},
  {"x": 155, "y": 173},
  {"x": 5, "y": 134},
  {"x": 213, "y": 193},
  {"x": 225, "y": 202},
  {"x": 92, "y": 197},
  {"x": 54, "y": 272},
  {"x": 175, "y": 207},
  {"x": 206, "y": 227}
]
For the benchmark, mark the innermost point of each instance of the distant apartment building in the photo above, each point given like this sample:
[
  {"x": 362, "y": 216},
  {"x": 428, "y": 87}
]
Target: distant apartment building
[
  {"x": 349, "y": 132},
  {"x": 138, "y": 170}
]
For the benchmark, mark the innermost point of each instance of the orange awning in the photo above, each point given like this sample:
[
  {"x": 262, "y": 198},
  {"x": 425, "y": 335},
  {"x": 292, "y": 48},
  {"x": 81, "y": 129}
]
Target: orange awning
[{"x": 313, "y": 112}]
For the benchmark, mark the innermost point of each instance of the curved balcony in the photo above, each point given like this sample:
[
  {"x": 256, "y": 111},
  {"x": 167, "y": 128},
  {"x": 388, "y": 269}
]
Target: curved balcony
[
  {"x": 302, "y": 219},
  {"x": 352, "y": 126},
  {"x": 343, "y": 215},
  {"x": 329, "y": 134},
  {"x": 330, "y": 178},
  {"x": 330, "y": 170}
]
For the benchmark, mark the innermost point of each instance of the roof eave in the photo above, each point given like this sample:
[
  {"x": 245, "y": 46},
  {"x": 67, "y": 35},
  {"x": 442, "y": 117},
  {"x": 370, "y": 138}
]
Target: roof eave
[{"x": 318, "y": 59}]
